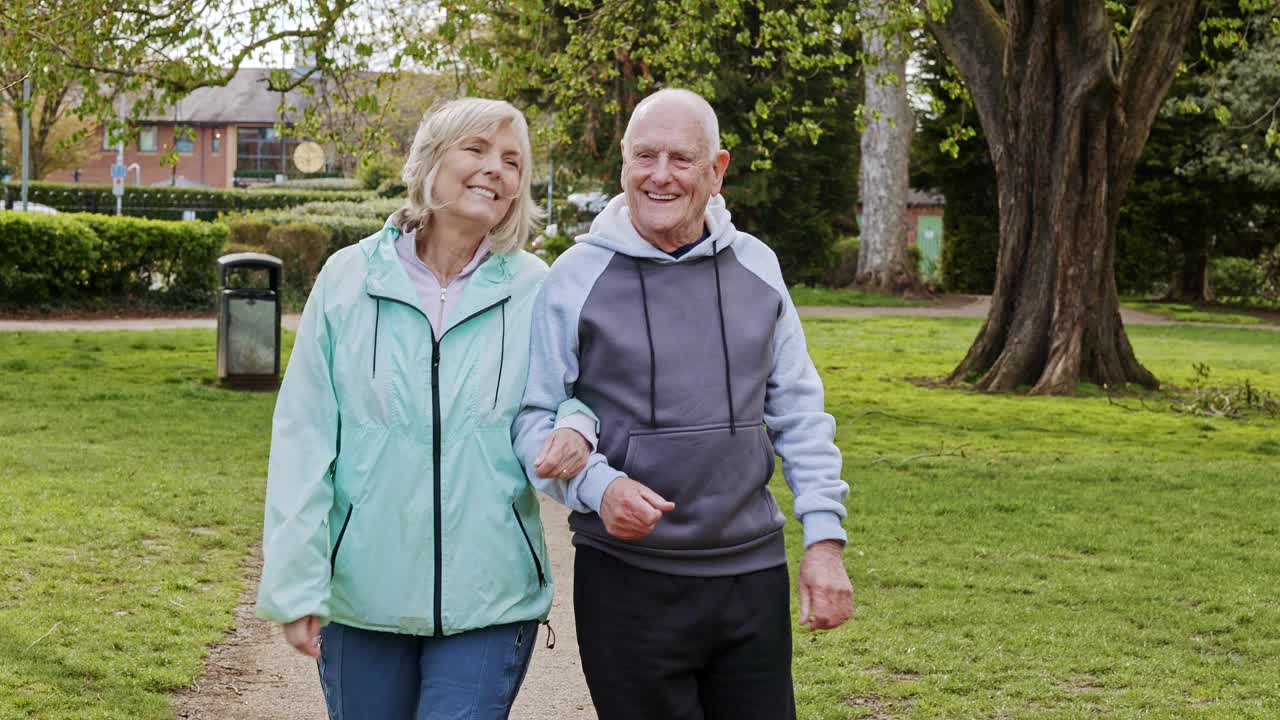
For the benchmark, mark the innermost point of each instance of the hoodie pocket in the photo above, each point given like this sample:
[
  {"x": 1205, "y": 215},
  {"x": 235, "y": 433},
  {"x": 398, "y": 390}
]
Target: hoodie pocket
[{"x": 718, "y": 480}]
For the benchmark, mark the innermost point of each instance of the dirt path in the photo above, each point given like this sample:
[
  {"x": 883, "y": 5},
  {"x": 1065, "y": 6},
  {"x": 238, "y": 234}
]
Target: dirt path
[{"x": 255, "y": 675}]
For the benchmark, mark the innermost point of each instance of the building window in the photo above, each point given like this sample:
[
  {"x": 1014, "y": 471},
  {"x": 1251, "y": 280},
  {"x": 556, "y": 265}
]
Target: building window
[
  {"x": 217, "y": 141},
  {"x": 147, "y": 139},
  {"x": 262, "y": 151},
  {"x": 184, "y": 139}
]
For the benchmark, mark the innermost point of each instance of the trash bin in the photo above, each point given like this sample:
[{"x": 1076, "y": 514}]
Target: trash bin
[{"x": 249, "y": 321}]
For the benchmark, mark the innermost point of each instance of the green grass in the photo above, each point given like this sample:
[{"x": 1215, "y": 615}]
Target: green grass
[
  {"x": 131, "y": 491},
  {"x": 1191, "y": 313},
  {"x": 1056, "y": 558},
  {"x": 805, "y": 295}
]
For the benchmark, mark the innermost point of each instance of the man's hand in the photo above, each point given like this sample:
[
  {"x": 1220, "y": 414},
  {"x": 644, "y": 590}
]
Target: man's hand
[
  {"x": 630, "y": 510},
  {"x": 304, "y": 635},
  {"x": 562, "y": 456},
  {"x": 826, "y": 597}
]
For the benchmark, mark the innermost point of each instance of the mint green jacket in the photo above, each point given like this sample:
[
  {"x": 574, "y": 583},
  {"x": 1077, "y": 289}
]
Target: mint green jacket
[{"x": 394, "y": 499}]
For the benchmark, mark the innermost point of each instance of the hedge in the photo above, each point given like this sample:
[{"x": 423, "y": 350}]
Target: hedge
[
  {"x": 45, "y": 257},
  {"x": 168, "y": 203},
  {"x": 102, "y": 258}
]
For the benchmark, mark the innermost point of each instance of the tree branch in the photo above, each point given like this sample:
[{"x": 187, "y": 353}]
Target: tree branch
[
  {"x": 974, "y": 37},
  {"x": 1147, "y": 67}
]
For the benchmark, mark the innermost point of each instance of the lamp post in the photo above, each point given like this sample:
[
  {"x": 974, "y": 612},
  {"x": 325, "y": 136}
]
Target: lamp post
[{"x": 26, "y": 139}]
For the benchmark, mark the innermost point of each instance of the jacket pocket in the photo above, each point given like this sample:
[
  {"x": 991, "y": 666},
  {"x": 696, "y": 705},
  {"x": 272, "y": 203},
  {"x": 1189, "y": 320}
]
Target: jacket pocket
[
  {"x": 533, "y": 554},
  {"x": 337, "y": 544},
  {"x": 717, "y": 479}
]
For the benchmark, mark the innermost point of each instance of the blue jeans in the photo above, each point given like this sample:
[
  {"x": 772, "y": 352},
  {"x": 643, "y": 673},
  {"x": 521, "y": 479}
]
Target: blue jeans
[{"x": 474, "y": 675}]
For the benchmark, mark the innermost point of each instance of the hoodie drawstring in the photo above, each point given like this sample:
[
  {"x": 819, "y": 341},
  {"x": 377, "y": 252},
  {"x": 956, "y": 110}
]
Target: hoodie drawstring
[
  {"x": 377, "y": 316},
  {"x": 653, "y": 363},
  {"x": 724, "y": 339}
]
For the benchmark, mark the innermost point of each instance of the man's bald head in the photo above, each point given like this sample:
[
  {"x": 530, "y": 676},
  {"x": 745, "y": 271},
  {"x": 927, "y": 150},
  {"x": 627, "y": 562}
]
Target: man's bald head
[{"x": 678, "y": 99}]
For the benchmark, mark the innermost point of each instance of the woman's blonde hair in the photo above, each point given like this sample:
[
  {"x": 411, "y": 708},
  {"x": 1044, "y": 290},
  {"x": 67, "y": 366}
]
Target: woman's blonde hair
[{"x": 443, "y": 127}]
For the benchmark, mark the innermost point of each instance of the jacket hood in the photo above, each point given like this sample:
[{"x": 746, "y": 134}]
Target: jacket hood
[{"x": 612, "y": 229}]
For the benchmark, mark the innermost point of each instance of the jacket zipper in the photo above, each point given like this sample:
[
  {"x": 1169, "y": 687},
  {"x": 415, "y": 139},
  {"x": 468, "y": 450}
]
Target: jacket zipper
[
  {"x": 438, "y": 590},
  {"x": 436, "y": 453},
  {"x": 333, "y": 557},
  {"x": 537, "y": 564}
]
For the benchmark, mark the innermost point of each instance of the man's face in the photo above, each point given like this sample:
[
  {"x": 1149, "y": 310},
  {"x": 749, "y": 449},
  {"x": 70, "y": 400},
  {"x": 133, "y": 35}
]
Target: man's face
[{"x": 668, "y": 175}]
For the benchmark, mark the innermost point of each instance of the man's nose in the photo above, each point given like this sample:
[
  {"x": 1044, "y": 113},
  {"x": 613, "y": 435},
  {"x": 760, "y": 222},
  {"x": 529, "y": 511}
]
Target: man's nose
[{"x": 662, "y": 169}]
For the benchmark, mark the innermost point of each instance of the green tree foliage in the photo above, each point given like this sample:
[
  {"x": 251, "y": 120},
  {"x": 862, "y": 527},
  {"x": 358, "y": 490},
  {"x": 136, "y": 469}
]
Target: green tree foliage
[{"x": 780, "y": 73}]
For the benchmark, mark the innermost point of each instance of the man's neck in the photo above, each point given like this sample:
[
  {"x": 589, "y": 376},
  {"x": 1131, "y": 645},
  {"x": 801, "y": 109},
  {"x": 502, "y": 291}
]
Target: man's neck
[{"x": 670, "y": 242}]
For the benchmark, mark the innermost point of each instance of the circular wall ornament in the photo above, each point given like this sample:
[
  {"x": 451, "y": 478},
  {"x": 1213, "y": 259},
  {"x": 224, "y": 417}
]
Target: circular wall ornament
[{"x": 308, "y": 157}]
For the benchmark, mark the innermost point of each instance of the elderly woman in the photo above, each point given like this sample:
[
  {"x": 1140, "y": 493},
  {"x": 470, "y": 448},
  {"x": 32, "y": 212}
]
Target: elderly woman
[{"x": 398, "y": 517}]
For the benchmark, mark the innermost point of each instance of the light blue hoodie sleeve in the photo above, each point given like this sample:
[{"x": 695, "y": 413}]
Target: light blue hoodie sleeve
[
  {"x": 553, "y": 370},
  {"x": 803, "y": 433},
  {"x": 304, "y": 444}
]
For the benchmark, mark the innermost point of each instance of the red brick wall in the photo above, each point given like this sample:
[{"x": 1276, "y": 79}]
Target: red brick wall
[{"x": 202, "y": 165}]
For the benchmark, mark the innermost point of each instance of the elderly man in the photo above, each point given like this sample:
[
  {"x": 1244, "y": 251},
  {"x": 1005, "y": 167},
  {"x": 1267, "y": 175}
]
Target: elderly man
[{"x": 677, "y": 330}]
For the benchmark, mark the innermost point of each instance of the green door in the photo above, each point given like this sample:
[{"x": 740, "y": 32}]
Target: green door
[{"x": 929, "y": 240}]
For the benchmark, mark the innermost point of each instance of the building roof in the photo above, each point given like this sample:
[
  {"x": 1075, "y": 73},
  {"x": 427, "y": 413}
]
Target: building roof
[
  {"x": 925, "y": 198},
  {"x": 245, "y": 99}
]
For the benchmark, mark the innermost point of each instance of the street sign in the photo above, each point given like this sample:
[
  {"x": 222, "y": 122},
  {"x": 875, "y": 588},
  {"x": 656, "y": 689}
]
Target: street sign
[{"x": 117, "y": 179}]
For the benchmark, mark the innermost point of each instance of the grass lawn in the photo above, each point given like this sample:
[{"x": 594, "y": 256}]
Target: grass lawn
[
  {"x": 805, "y": 295},
  {"x": 1192, "y": 313},
  {"x": 1078, "y": 559}
]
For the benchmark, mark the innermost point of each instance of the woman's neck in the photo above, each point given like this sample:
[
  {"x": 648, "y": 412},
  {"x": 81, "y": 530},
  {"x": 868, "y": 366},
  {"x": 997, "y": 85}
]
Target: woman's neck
[{"x": 445, "y": 252}]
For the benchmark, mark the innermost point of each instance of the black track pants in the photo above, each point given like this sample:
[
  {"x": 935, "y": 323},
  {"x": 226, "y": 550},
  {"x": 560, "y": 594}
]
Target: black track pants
[{"x": 671, "y": 647}]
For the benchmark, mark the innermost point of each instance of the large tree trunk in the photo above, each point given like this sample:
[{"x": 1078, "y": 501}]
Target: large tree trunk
[
  {"x": 883, "y": 265},
  {"x": 1066, "y": 121}
]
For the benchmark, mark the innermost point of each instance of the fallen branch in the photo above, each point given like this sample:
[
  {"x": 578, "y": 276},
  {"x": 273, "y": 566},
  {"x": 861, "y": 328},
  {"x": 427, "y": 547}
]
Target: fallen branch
[
  {"x": 47, "y": 634},
  {"x": 957, "y": 452},
  {"x": 900, "y": 417}
]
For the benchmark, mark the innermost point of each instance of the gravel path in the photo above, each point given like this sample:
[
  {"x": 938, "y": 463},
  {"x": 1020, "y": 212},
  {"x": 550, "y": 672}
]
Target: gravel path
[{"x": 255, "y": 675}]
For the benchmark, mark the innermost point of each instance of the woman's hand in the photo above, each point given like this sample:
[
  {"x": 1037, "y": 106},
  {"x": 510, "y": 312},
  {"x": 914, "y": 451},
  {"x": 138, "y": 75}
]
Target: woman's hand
[
  {"x": 304, "y": 635},
  {"x": 563, "y": 455}
]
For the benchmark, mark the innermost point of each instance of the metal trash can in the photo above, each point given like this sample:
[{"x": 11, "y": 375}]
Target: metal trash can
[{"x": 249, "y": 321}]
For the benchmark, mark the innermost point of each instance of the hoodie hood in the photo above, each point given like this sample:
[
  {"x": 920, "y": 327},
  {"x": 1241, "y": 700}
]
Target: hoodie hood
[{"x": 612, "y": 229}]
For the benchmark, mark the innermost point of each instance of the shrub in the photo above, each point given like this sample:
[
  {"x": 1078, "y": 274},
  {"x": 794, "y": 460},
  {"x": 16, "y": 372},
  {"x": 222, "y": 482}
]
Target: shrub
[
  {"x": 168, "y": 203},
  {"x": 323, "y": 184},
  {"x": 550, "y": 247},
  {"x": 44, "y": 257},
  {"x": 392, "y": 188},
  {"x": 378, "y": 168},
  {"x": 845, "y": 270},
  {"x": 1235, "y": 277},
  {"x": 303, "y": 248},
  {"x": 73, "y": 258},
  {"x": 174, "y": 262}
]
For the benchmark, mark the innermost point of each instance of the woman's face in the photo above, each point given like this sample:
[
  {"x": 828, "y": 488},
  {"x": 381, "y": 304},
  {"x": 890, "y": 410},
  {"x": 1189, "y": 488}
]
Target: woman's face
[{"x": 479, "y": 179}]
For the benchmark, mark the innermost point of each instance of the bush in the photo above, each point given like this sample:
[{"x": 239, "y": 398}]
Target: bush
[
  {"x": 376, "y": 169},
  {"x": 323, "y": 184},
  {"x": 392, "y": 188},
  {"x": 168, "y": 203},
  {"x": 845, "y": 270},
  {"x": 73, "y": 258},
  {"x": 44, "y": 257},
  {"x": 550, "y": 247},
  {"x": 303, "y": 248},
  {"x": 377, "y": 208},
  {"x": 1235, "y": 277},
  {"x": 969, "y": 250}
]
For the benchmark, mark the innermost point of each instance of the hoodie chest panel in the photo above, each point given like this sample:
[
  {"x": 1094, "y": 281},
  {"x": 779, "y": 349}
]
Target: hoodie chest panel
[{"x": 690, "y": 385}]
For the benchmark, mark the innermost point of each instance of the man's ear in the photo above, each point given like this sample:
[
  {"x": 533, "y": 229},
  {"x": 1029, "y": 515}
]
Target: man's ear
[{"x": 719, "y": 166}]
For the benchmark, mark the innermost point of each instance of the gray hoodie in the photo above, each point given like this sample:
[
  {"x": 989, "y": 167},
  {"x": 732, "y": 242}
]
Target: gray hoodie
[{"x": 698, "y": 372}]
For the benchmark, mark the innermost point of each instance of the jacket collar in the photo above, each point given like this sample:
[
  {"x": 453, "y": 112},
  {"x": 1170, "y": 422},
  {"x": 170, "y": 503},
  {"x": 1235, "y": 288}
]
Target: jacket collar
[{"x": 489, "y": 284}]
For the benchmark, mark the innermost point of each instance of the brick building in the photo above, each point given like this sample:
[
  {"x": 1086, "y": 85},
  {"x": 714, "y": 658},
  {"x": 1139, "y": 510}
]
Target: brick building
[{"x": 231, "y": 130}]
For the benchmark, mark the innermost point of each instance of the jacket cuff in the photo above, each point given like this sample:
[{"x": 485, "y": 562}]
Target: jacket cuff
[
  {"x": 582, "y": 424},
  {"x": 596, "y": 480},
  {"x": 822, "y": 525}
]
